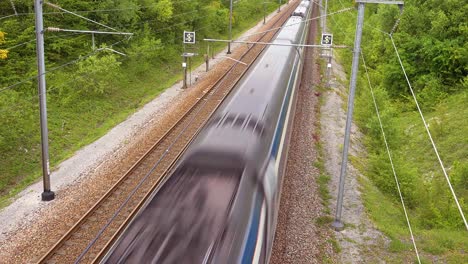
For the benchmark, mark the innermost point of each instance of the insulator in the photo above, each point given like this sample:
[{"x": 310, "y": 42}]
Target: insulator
[{"x": 53, "y": 29}]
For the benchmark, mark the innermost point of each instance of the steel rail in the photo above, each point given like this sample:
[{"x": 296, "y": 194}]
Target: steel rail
[
  {"x": 78, "y": 224},
  {"x": 110, "y": 243}
]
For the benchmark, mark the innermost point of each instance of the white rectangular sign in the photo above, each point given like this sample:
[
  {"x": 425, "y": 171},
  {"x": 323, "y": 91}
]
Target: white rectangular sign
[{"x": 189, "y": 37}]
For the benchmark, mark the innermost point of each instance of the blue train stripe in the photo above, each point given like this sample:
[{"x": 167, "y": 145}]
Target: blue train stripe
[
  {"x": 251, "y": 243},
  {"x": 284, "y": 109}
]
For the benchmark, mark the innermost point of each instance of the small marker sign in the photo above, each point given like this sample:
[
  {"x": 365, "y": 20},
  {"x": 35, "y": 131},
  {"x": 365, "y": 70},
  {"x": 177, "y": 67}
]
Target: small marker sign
[
  {"x": 189, "y": 37},
  {"x": 327, "y": 39}
]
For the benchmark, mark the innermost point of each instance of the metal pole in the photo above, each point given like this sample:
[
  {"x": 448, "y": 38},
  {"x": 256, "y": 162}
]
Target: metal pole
[
  {"x": 47, "y": 195},
  {"x": 264, "y": 12},
  {"x": 324, "y": 25},
  {"x": 185, "y": 73},
  {"x": 207, "y": 57},
  {"x": 230, "y": 27},
  {"x": 279, "y": 6},
  {"x": 338, "y": 224},
  {"x": 329, "y": 64}
]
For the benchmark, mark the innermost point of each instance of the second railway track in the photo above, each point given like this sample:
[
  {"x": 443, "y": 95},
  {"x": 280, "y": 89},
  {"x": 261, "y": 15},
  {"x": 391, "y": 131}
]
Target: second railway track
[{"x": 87, "y": 238}]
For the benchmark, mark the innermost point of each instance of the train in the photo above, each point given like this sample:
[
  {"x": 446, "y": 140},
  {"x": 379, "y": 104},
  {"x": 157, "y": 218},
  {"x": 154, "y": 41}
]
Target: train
[{"x": 221, "y": 201}]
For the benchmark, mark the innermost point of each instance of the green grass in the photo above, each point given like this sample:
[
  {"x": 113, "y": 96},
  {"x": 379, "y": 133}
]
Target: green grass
[
  {"x": 448, "y": 125},
  {"x": 75, "y": 127},
  {"x": 437, "y": 239},
  {"x": 388, "y": 216},
  {"x": 324, "y": 220},
  {"x": 85, "y": 120},
  {"x": 437, "y": 226},
  {"x": 323, "y": 178}
]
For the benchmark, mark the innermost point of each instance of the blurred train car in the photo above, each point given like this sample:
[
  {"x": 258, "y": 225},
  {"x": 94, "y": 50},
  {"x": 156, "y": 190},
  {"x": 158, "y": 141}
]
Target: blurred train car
[{"x": 220, "y": 204}]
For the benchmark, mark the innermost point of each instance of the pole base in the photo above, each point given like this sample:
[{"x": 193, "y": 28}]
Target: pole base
[
  {"x": 47, "y": 196},
  {"x": 338, "y": 225},
  {"x": 228, "y": 52}
]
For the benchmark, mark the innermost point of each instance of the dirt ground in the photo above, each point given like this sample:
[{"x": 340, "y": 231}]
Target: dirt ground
[
  {"x": 79, "y": 181},
  {"x": 301, "y": 239},
  {"x": 360, "y": 240}
]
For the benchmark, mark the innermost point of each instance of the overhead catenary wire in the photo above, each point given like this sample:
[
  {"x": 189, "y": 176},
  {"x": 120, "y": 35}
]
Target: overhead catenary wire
[
  {"x": 20, "y": 44},
  {"x": 429, "y": 134},
  {"x": 148, "y": 174},
  {"x": 177, "y": 15},
  {"x": 377, "y": 29},
  {"x": 57, "y": 67},
  {"x": 141, "y": 22},
  {"x": 61, "y": 13},
  {"x": 90, "y": 11},
  {"x": 351, "y": 37},
  {"x": 391, "y": 160},
  {"x": 51, "y": 70},
  {"x": 92, "y": 53},
  {"x": 55, "y": 29},
  {"x": 81, "y": 58},
  {"x": 80, "y": 16},
  {"x": 303, "y": 21},
  {"x": 55, "y": 87},
  {"x": 89, "y": 54},
  {"x": 76, "y": 33},
  {"x": 13, "y": 7},
  {"x": 390, "y": 35},
  {"x": 34, "y": 40}
]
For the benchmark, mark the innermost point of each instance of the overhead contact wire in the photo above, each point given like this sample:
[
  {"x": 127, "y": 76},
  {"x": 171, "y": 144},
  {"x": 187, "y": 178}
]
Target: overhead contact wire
[
  {"x": 34, "y": 40},
  {"x": 391, "y": 160},
  {"x": 429, "y": 134},
  {"x": 101, "y": 231},
  {"x": 303, "y": 21},
  {"x": 56, "y": 68},
  {"x": 90, "y": 11},
  {"x": 80, "y": 16}
]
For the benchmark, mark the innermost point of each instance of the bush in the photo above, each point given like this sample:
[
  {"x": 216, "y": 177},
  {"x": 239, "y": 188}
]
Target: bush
[{"x": 95, "y": 75}]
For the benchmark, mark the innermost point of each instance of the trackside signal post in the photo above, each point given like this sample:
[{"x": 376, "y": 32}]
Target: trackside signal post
[
  {"x": 338, "y": 224},
  {"x": 189, "y": 38},
  {"x": 327, "y": 42},
  {"x": 185, "y": 66}
]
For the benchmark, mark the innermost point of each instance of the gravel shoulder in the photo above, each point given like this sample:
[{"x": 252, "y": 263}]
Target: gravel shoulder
[
  {"x": 30, "y": 225},
  {"x": 360, "y": 241},
  {"x": 300, "y": 238}
]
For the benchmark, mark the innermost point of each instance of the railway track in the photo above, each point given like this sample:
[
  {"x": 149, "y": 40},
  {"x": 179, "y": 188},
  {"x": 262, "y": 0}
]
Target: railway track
[{"x": 94, "y": 232}]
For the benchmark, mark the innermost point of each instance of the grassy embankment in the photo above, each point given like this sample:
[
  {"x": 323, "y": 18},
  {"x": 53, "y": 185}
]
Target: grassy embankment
[
  {"x": 449, "y": 125},
  {"x": 438, "y": 228},
  {"x": 81, "y": 119}
]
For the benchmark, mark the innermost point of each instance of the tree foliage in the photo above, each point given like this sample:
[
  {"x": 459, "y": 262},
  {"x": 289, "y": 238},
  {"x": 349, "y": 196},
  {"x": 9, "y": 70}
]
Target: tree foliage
[
  {"x": 432, "y": 42},
  {"x": 3, "y": 52},
  {"x": 90, "y": 89}
]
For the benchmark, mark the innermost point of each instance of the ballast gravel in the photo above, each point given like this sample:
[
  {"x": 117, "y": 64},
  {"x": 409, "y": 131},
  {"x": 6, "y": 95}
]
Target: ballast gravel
[
  {"x": 29, "y": 227},
  {"x": 299, "y": 236}
]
